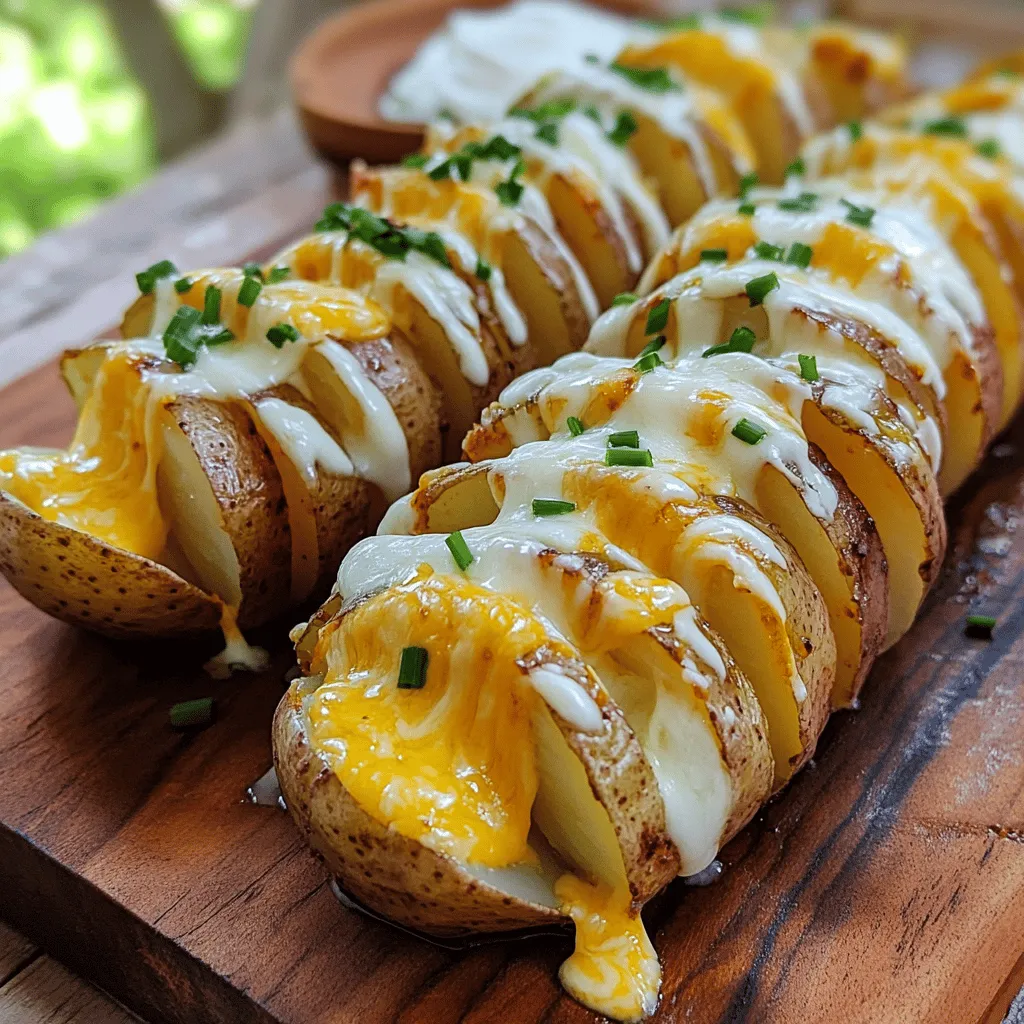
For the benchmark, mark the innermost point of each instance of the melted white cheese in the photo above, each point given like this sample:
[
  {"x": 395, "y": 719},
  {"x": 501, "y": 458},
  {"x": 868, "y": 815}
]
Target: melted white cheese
[{"x": 303, "y": 439}]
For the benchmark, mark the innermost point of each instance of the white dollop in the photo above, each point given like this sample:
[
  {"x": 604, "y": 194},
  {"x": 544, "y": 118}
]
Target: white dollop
[
  {"x": 303, "y": 439},
  {"x": 566, "y": 697}
]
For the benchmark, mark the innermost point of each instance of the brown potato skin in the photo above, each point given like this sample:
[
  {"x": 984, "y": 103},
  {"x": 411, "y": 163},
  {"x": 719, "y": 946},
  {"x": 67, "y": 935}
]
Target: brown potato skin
[{"x": 78, "y": 579}]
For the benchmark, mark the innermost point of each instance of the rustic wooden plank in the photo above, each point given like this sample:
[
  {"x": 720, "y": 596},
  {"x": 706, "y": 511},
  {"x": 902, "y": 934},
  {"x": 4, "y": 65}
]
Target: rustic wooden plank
[
  {"x": 47, "y": 993},
  {"x": 16, "y": 952}
]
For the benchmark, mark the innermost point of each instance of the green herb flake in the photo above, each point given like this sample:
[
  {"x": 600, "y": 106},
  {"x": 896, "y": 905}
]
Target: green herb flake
[
  {"x": 655, "y": 80},
  {"x": 741, "y": 340},
  {"x": 747, "y": 182},
  {"x": 547, "y": 132},
  {"x": 147, "y": 279},
  {"x": 654, "y": 345},
  {"x": 747, "y": 209},
  {"x": 803, "y": 203},
  {"x": 483, "y": 269},
  {"x": 981, "y": 624},
  {"x": 249, "y": 292},
  {"x": 951, "y": 127},
  {"x": 808, "y": 367},
  {"x": 989, "y": 148},
  {"x": 552, "y": 507},
  {"x": 862, "y": 216},
  {"x": 417, "y": 161},
  {"x": 759, "y": 287},
  {"x": 749, "y": 433},
  {"x": 856, "y": 130},
  {"x": 280, "y": 333},
  {"x": 460, "y": 550},
  {"x": 767, "y": 251},
  {"x": 624, "y": 439},
  {"x": 799, "y": 255},
  {"x": 277, "y": 274},
  {"x": 575, "y": 425},
  {"x": 182, "y": 285},
  {"x": 412, "y": 668},
  {"x": 657, "y": 317},
  {"x": 714, "y": 255},
  {"x": 625, "y": 299},
  {"x": 628, "y": 457},
  {"x": 624, "y": 129},
  {"x": 192, "y": 714},
  {"x": 649, "y": 362},
  {"x": 253, "y": 269},
  {"x": 797, "y": 167}
]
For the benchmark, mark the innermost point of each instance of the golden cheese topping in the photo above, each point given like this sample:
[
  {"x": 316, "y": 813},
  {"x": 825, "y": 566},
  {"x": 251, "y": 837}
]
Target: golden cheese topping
[{"x": 614, "y": 969}]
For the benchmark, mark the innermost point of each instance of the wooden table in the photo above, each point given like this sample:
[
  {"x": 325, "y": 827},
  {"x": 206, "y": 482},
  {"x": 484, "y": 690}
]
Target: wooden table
[{"x": 257, "y": 188}]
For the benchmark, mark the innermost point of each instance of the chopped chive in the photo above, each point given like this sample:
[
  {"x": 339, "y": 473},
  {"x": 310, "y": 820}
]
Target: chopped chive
[
  {"x": 759, "y": 287},
  {"x": 253, "y": 269},
  {"x": 747, "y": 182},
  {"x": 415, "y": 160},
  {"x": 767, "y": 251},
  {"x": 460, "y": 550},
  {"x": 575, "y": 426},
  {"x": 648, "y": 362},
  {"x": 625, "y": 299},
  {"x": 953, "y": 127},
  {"x": 624, "y": 128},
  {"x": 989, "y": 148},
  {"x": 483, "y": 269},
  {"x": 211, "y": 304},
  {"x": 809, "y": 367},
  {"x": 741, "y": 340},
  {"x": 552, "y": 507},
  {"x": 981, "y": 624},
  {"x": 859, "y": 215},
  {"x": 509, "y": 192},
  {"x": 654, "y": 345},
  {"x": 747, "y": 432},
  {"x": 747, "y": 209},
  {"x": 186, "y": 333},
  {"x": 657, "y": 317},
  {"x": 856, "y": 130},
  {"x": 547, "y": 132},
  {"x": 628, "y": 457},
  {"x": 412, "y": 668},
  {"x": 797, "y": 167},
  {"x": 624, "y": 439},
  {"x": 593, "y": 113},
  {"x": 799, "y": 255},
  {"x": 803, "y": 203},
  {"x": 714, "y": 255},
  {"x": 147, "y": 279},
  {"x": 188, "y": 714},
  {"x": 656, "y": 80},
  {"x": 278, "y": 273},
  {"x": 280, "y": 333},
  {"x": 182, "y": 285},
  {"x": 250, "y": 290}
]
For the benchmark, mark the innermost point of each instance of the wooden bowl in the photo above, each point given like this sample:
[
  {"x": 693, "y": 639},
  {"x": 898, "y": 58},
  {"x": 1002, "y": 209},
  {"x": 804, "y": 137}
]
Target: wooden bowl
[{"x": 340, "y": 71}]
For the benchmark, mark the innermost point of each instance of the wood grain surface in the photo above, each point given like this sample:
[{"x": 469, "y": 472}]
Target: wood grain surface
[{"x": 886, "y": 885}]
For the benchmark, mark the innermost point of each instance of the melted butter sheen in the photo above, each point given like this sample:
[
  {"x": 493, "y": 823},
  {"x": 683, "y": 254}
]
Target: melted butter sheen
[{"x": 614, "y": 969}]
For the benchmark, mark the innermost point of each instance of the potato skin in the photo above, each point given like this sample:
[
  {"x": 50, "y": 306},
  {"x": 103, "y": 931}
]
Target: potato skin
[{"x": 79, "y": 579}]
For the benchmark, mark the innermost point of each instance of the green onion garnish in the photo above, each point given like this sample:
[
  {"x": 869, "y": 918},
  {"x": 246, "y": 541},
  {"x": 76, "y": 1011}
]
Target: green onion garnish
[
  {"x": 767, "y": 251},
  {"x": 388, "y": 239},
  {"x": 278, "y": 273},
  {"x": 575, "y": 426},
  {"x": 510, "y": 192},
  {"x": 982, "y": 623},
  {"x": 657, "y": 317},
  {"x": 741, "y": 340},
  {"x": 483, "y": 269},
  {"x": 749, "y": 433},
  {"x": 280, "y": 333},
  {"x": 624, "y": 439},
  {"x": 747, "y": 182},
  {"x": 796, "y": 167},
  {"x": 191, "y": 713},
  {"x": 211, "y": 304},
  {"x": 809, "y": 367},
  {"x": 253, "y": 270},
  {"x": 624, "y": 128},
  {"x": 856, "y": 130},
  {"x": 656, "y": 80},
  {"x": 182, "y": 285},
  {"x": 625, "y": 299},
  {"x": 147, "y": 279},
  {"x": 759, "y": 287},
  {"x": 989, "y": 148},
  {"x": 954, "y": 127},
  {"x": 415, "y": 160},
  {"x": 552, "y": 507},
  {"x": 859, "y": 215},
  {"x": 799, "y": 255},
  {"x": 460, "y": 550},
  {"x": 412, "y": 668},
  {"x": 654, "y": 345},
  {"x": 187, "y": 332},
  {"x": 803, "y": 203},
  {"x": 714, "y": 255},
  {"x": 547, "y": 132},
  {"x": 747, "y": 209},
  {"x": 648, "y": 362},
  {"x": 628, "y": 457},
  {"x": 247, "y": 294}
]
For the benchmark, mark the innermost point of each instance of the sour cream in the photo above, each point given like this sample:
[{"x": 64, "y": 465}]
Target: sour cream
[{"x": 479, "y": 62}]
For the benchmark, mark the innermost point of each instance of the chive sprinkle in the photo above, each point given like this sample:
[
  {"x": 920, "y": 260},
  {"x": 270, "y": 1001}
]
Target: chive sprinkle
[
  {"x": 799, "y": 255},
  {"x": 624, "y": 439},
  {"x": 859, "y": 215},
  {"x": 803, "y": 203},
  {"x": 952, "y": 127},
  {"x": 759, "y": 287},
  {"x": 412, "y": 668},
  {"x": 797, "y": 167},
  {"x": 147, "y": 279},
  {"x": 415, "y": 160},
  {"x": 747, "y": 182},
  {"x": 628, "y": 457},
  {"x": 278, "y": 273},
  {"x": 767, "y": 251},
  {"x": 250, "y": 290},
  {"x": 856, "y": 130},
  {"x": 656, "y": 80},
  {"x": 187, "y": 332},
  {"x": 253, "y": 269},
  {"x": 809, "y": 367},
  {"x": 657, "y": 317},
  {"x": 624, "y": 128},
  {"x": 648, "y": 362},
  {"x": 741, "y": 340},
  {"x": 547, "y": 132},
  {"x": 552, "y": 507},
  {"x": 989, "y": 148},
  {"x": 280, "y": 333},
  {"x": 182, "y": 285},
  {"x": 211, "y": 304},
  {"x": 189, "y": 714},
  {"x": 747, "y": 432},
  {"x": 981, "y": 621},
  {"x": 483, "y": 269},
  {"x": 747, "y": 209},
  {"x": 460, "y": 550},
  {"x": 714, "y": 255},
  {"x": 654, "y": 345},
  {"x": 575, "y": 426},
  {"x": 625, "y": 299}
]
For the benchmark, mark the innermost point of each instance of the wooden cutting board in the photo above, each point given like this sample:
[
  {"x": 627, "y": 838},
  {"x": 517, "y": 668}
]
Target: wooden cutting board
[{"x": 886, "y": 885}]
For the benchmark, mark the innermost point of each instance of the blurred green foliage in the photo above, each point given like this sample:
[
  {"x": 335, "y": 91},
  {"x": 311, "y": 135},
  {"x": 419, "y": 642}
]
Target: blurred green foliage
[{"x": 75, "y": 128}]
